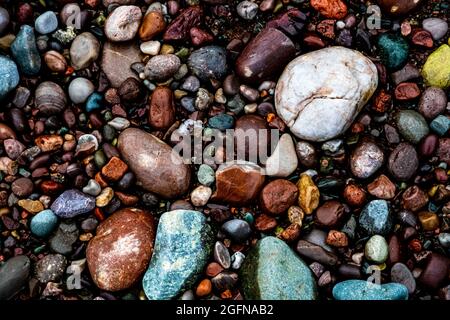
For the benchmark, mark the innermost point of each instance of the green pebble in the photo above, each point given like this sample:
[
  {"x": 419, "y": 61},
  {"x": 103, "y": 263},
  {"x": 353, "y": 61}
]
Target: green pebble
[
  {"x": 393, "y": 50},
  {"x": 100, "y": 158},
  {"x": 205, "y": 175},
  {"x": 221, "y": 121},
  {"x": 412, "y": 125},
  {"x": 376, "y": 249}
]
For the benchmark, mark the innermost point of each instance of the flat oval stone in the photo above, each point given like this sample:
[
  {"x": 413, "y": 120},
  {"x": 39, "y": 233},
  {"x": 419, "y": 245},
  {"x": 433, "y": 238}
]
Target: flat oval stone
[
  {"x": 432, "y": 102},
  {"x": 237, "y": 229},
  {"x": 403, "y": 162},
  {"x": 84, "y": 50},
  {"x": 436, "y": 26},
  {"x": 13, "y": 275},
  {"x": 46, "y": 22},
  {"x": 401, "y": 274},
  {"x": 157, "y": 168},
  {"x": 376, "y": 249},
  {"x": 25, "y": 51},
  {"x": 183, "y": 245},
  {"x": 375, "y": 218},
  {"x": 72, "y": 203},
  {"x": 364, "y": 290},
  {"x": 121, "y": 250},
  {"x": 43, "y": 224},
  {"x": 412, "y": 126},
  {"x": 208, "y": 62},
  {"x": 9, "y": 76},
  {"x": 324, "y": 107},
  {"x": 272, "y": 271},
  {"x": 123, "y": 23},
  {"x": 162, "y": 67}
]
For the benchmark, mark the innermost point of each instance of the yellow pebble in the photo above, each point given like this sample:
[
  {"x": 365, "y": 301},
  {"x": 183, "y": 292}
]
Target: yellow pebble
[{"x": 309, "y": 194}]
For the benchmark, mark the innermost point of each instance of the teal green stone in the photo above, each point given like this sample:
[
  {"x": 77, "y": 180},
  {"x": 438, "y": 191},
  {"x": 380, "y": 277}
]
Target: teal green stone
[
  {"x": 272, "y": 271},
  {"x": 236, "y": 104},
  {"x": 25, "y": 51},
  {"x": 375, "y": 218},
  {"x": 412, "y": 125},
  {"x": 205, "y": 175},
  {"x": 440, "y": 125},
  {"x": 183, "y": 246},
  {"x": 364, "y": 290},
  {"x": 9, "y": 76},
  {"x": 221, "y": 122},
  {"x": 393, "y": 50},
  {"x": 94, "y": 102},
  {"x": 43, "y": 224}
]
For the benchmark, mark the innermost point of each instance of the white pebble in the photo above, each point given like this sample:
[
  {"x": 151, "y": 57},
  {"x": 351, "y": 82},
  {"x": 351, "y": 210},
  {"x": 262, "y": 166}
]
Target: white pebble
[
  {"x": 200, "y": 196},
  {"x": 151, "y": 47}
]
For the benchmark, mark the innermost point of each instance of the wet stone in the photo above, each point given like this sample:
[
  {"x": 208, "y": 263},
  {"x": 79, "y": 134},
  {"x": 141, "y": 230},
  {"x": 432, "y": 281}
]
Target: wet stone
[
  {"x": 64, "y": 238},
  {"x": 13, "y": 275},
  {"x": 72, "y": 203},
  {"x": 50, "y": 268}
]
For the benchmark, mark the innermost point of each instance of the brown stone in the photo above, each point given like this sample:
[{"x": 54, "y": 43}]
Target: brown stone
[
  {"x": 213, "y": 269},
  {"x": 330, "y": 214},
  {"x": 121, "y": 250},
  {"x": 435, "y": 272},
  {"x": 398, "y": 7},
  {"x": 152, "y": 25},
  {"x": 414, "y": 198},
  {"x": 161, "y": 113},
  {"x": 407, "y": 91},
  {"x": 278, "y": 196},
  {"x": 337, "y": 239},
  {"x": 55, "y": 61},
  {"x": 314, "y": 42},
  {"x": 291, "y": 233},
  {"x": 290, "y": 22},
  {"x": 354, "y": 195},
  {"x": 265, "y": 56},
  {"x": 178, "y": 29},
  {"x": 200, "y": 37},
  {"x": 265, "y": 223},
  {"x": 332, "y": 9},
  {"x": 114, "y": 169},
  {"x": 238, "y": 183},
  {"x": 22, "y": 187},
  {"x": 382, "y": 188},
  {"x": 309, "y": 195},
  {"x": 429, "y": 220},
  {"x": 395, "y": 251},
  {"x": 316, "y": 253},
  {"x": 326, "y": 28},
  {"x": 428, "y": 145},
  {"x": 247, "y": 129},
  {"x": 49, "y": 143},
  {"x": 204, "y": 288},
  {"x": 422, "y": 38},
  {"x": 127, "y": 199},
  {"x": 6, "y": 132},
  {"x": 382, "y": 101},
  {"x": 403, "y": 161}
]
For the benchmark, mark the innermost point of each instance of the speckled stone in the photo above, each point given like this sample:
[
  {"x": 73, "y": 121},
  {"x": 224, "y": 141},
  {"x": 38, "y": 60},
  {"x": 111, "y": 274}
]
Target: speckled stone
[
  {"x": 183, "y": 245},
  {"x": 9, "y": 76},
  {"x": 436, "y": 70},
  {"x": 440, "y": 125},
  {"x": 394, "y": 50},
  {"x": 375, "y": 218},
  {"x": 376, "y": 249},
  {"x": 46, "y": 22},
  {"x": 25, "y": 51},
  {"x": 208, "y": 62},
  {"x": 43, "y": 223},
  {"x": 272, "y": 271},
  {"x": 412, "y": 125},
  {"x": 72, "y": 203},
  {"x": 363, "y": 290}
]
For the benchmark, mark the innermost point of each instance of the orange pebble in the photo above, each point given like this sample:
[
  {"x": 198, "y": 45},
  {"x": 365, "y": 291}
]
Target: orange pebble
[{"x": 204, "y": 288}]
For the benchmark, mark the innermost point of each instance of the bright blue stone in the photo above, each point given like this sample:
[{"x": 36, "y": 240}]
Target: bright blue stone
[
  {"x": 25, "y": 51},
  {"x": 43, "y": 223},
  {"x": 440, "y": 125},
  {"x": 222, "y": 122},
  {"x": 94, "y": 102},
  {"x": 364, "y": 290},
  {"x": 72, "y": 203},
  {"x": 46, "y": 22},
  {"x": 9, "y": 76},
  {"x": 375, "y": 218}
]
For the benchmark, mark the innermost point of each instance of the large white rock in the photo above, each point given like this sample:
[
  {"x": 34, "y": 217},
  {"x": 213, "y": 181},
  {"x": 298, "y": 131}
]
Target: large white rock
[{"x": 320, "y": 93}]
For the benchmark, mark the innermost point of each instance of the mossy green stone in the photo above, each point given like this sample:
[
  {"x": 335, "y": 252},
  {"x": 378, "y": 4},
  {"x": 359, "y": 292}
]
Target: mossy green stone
[
  {"x": 436, "y": 70},
  {"x": 272, "y": 271},
  {"x": 393, "y": 50},
  {"x": 412, "y": 125}
]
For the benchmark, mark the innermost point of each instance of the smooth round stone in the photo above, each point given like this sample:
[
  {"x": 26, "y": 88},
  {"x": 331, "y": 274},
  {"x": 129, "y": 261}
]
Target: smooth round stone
[
  {"x": 436, "y": 26},
  {"x": 401, "y": 274},
  {"x": 119, "y": 123},
  {"x": 13, "y": 148},
  {"x": 278, "y": 195},
  {"x": 46, "y": 22},
  {"x": 162, "y": 67},
  {"x": 150, "y": 47},
  {"x": 222, "y": 121},
  {"x": 306, "y": 153},
  {"x": 123, "y": 23},
  {"x": 200, "y": 196},
  {"x": 436, "y": 70},
  {"x": 440, "y": 125},
  {"x": 9, "y": 76},
  {"x": 182, "y": 248},
  {"x": 43, "y": 224},
  {"x": 84, "y": 50},
  {"x": 313, "y": 113},
  {"x": 403, "y": 162},
  {"x": 238, "y": 230},
  {"x": 80, "y": 89},
  {"x": 4, "y": 20},
  {"x": 247, "y": 10},
  {"x": 283, "y": 161},
  {"x": 94, "y": 102},
  {"x": 366, "y": 159},
  {"x": 22, "y": 187},
  {"x": 208, "y": 62},
  {"x": 120, "y": 252},
  {"x": 13, "y": 275},
  {"x": 72, "y": 203},
  {"x": 435, "y": 273},
  {"x": 364, "y": 290},
  {"x": 393, "y": 50},
  {"x": 222, "y": 255},
  {"x": 157, "y": 168},
  {"x": 376, "y": 249},
  {"x": 375, "y": 218},
  {"x": 254, "y": 127},
  {"x": 51, "y": 268},
  {"x": 206, "y": 175},
  {"x": 411, "y": 125},
  {"x": 25, "y": 51},
  {"x": 272, "y": 271},
  {"x": 432, "y": 102},
  {"x": 444, "y": 239}
]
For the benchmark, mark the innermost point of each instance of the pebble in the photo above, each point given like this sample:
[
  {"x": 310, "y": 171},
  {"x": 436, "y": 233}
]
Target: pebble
[
  {"x": 436, "y": 26},
  {"x": 250, "y": 125},
  {"x": 436, "y": 70},
  {"x": 444, "y": 239},
  {"x": 433, "y": 102},
  {"x": 162, "y": 108},
  {"x": 272, "y": 271},
  {"x": 84, "y": 50},
  {"x": 13, "y": 148},
  {"x": 119, "y": 123},
  {"x": 326, "y": 115},
  {"x": 435, "y": 271},
  {"x": 162, "y": 67},
  {"x": 382, "y": 188},
  {"x": 283, "y": 161},
  {"x": 393, "y": 50},
  {"x": 51, "y": 268},
  {"x": 375, "y": 218},
  {"x": 376, "y": 249},
  {"x": 403, "y": 162},
  {"x": 104, "y": 198},
  {"x": 80, "y": 89},
  {"x": 221, "y": 255},
  {"x": 364, "y": 290},
  {"x": 25, "y": 51},
  {"x": 171, "y": 272},
  {"x": 147, "y": 157},
  {"x": 9, "y": 76},
  {"x": 317, "y": 252},
  {"x": 55, "y": 61},
  {"x": 123, "y": 23},
  {"x": 32, "y": 206},
  {"x": 151, "y": 47},
  {"x": 22, "y": 187},
  {"x": 366, "y": 159},
  {"x": 278, "y": 195},
  {"x": 200, "y": 196},
  {"x": 4, "y": 20},
  {"x": 401, "y": 274},
  {"x": 411, "y": 125},
  {"x": 66, "y": 235},
  {"x": 428, "y": 220},
  {"x": 306, "y": 154},
  {"x": 46, "y": 22},
  {"x": 247, "y": 10},
  {"x": 209, "y": 62},
  {"x": 238, "y": 230},
  {"x": 440, "y": 125},
  {"x": 408, "y": 72},
  {"x": 330, "y": 214},
  {"x": 120, "y": 252},
  {"x": 152, "y": 25},
  {"x": 237, "y": 259},
  {"x": 43, "y": 224},
  {"x": 72, "y": 203},
  {"x": 206, "y": 175},
  {"x": 13, "y": 275},
  {"x": 309, "y": 194},
  {"x": 333, "y": 9}
]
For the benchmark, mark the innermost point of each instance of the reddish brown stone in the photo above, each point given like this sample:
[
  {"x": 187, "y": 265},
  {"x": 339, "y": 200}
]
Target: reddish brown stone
[
  {"x": 127, "y": 199},
  {"x": 443, "y": 150},
  {"x": 178, "y": 29},
  {"x": 121, "y": 250},
  {"x": 291, "y": 233},
  {"x": 313, "y": 42},
  {"x": 51, "y": 187},
  {"x": 326, "y": 28},
  {"x": 213, "y": 269},
  {"x": 422, "y": 38},
  {"x": 435, "y": 272},
  {"x": 265, "y": 223},
  {"x": 382, "y": 101},
  {"x": 395, "y": 252},
  {"x": 200, "y": 37},
  {"x": 278, "y": 196},
  {"x": 333, "y": 9},
  {"x": 204, "y": 288},
  {"x": 250, "y": 125},
  {"x": 290, "y": 22},
  {"x": 354, "y": 195},
  {"x": 114, "y": 169},
  {"x": 6, "y": 132},
  {"x": 398, "y": 7},
  {"x": 161, "y": 113},
  {"x": 337, "y": 239},
  {"x": 414, "y": 199},
  {"x": 152, "y": 25},
  {"x": 49, "y": 143},
  {"x": 407, "y": 91},
  {"x": 428, "y": 145},
  {"x": 330, "y": 214},
  {"x": 382, "y": 188}
]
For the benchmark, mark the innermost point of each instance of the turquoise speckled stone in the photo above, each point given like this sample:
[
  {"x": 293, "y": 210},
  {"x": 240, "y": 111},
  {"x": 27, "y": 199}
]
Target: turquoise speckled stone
[
  {"x": 222, "y": 122},
  {"x": 25, "y": 51},
  {"x": 375, "y": 218},
  {"x": 182, "y": 247},
  {"x": 393, "y": 49},
  {"x": 440, "y": 125},
  {"x": 364, "y": 290},
  {"x": 272, "y": 271},
  {"x": 9, "y": 76},
  {"x": 44, "y": 223}
]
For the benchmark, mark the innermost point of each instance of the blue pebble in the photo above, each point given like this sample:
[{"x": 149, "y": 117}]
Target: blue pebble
[
  {"x": 9, "y": 76},
  {"x": 222, "y": 122},
  {"x": 440, "y": 125},
  {"x": 375, "y": 218},
  {"x": 25, "y": 51},
  {"x": 72, "y": 203},
  {"x": 46, "y": 22},
  {"x": 94, "y": 102},
  {"x": 43, "y": 223},
  {"x": 364, "y": 290}
]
